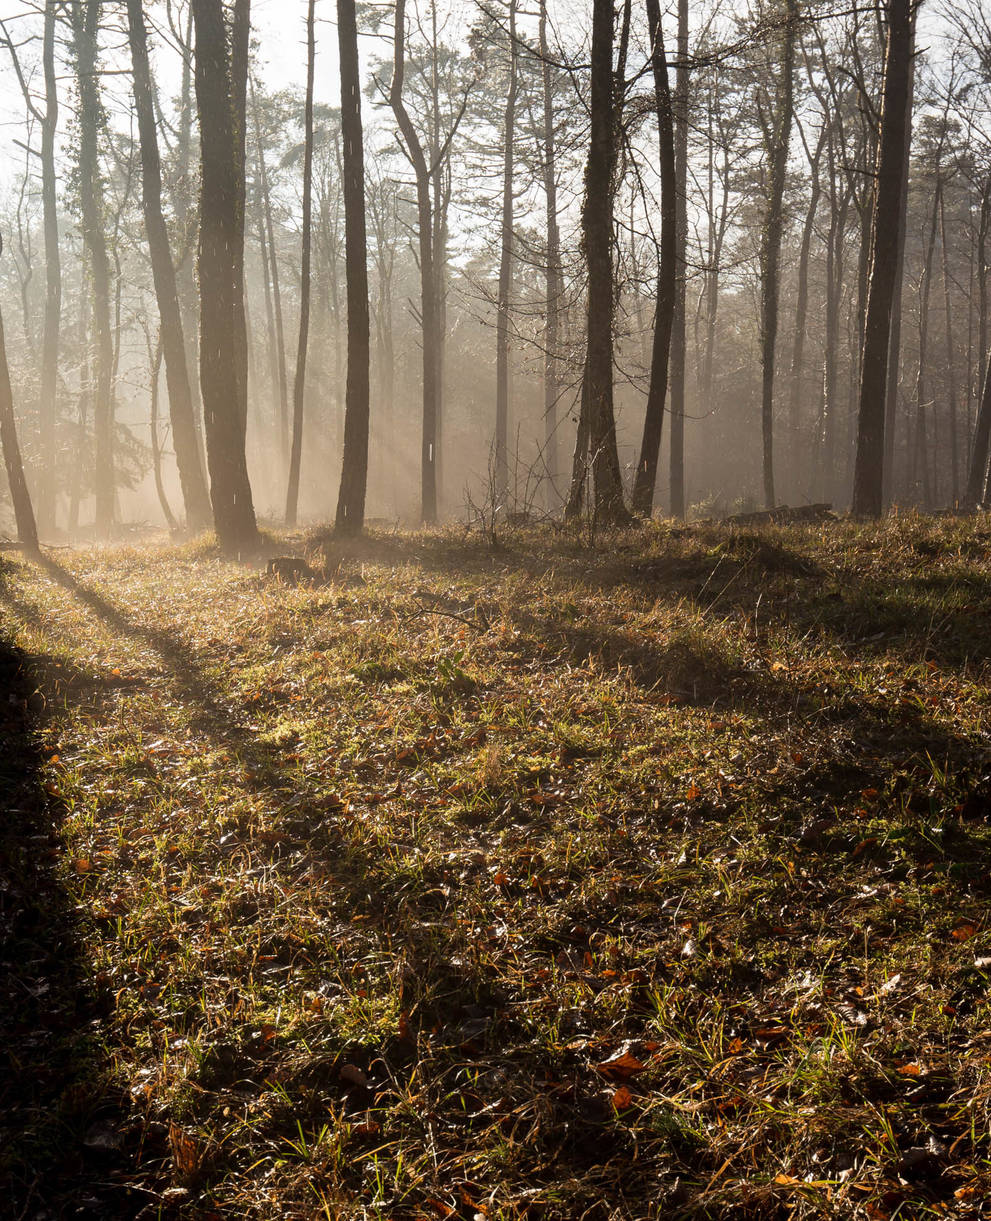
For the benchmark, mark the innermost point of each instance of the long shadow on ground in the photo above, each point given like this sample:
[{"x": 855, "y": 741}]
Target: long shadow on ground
[{"x": 63, "y": 1146}]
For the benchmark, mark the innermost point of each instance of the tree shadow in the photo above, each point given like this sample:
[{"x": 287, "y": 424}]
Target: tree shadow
[{"x": 65, "y": 1147}]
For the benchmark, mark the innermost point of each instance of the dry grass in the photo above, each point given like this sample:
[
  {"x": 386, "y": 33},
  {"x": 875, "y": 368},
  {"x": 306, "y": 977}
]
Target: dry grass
[{"x": 547, "y": 882}]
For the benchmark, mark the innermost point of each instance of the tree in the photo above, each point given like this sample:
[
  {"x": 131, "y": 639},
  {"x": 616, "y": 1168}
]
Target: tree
[
  {"x": 505, "y": 272},
  {"x": 868, "y": 490},
  {"x": 354, "y": 467},
  {"x": 777, "y": 134},
  {"x": 194, "y": 490},
  {"x": 299, "y": 381},
  {"x": 221, "y": 77},
  {"x": 85, "y": 16},
  {"x": 667, "y": 272},
  {"x": 597, "y": 238},
  {"x": 23, "y": 512}
]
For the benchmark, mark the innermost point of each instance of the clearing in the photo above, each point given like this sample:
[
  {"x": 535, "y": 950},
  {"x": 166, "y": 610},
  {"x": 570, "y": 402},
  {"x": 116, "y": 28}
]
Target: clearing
[{"x": 643, "y": 879}]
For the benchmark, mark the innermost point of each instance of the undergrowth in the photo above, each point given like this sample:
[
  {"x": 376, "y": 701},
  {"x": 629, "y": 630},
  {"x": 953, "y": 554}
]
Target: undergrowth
[{"x": 539, "y": 882}]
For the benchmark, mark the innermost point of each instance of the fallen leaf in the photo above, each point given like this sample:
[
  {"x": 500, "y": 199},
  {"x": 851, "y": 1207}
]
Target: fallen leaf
[{"x": 622, "y": 1098}]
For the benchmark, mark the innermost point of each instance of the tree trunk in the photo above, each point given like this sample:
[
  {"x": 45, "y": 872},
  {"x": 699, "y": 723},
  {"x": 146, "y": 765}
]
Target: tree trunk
[
  {"x": 273, "y": 269},
  {"x": 553, "y": 276},
  {"x": 977, "y": 475},
  {"x": 299, "y": 381},
  {"x": 678, "y": 352},
  {"x": 796, "y": 448},
  {"x": 20, "y": 496},
  {"x": 868, "y": 498},
  {"x": 354, "y": 467},
  {"x": 771, "y": 244},
  {"x": 155, "y": 369},
  {"x": 894, "y": 351},
  {"x": 429, "y": 312},
  {"x": 223, "y": 342},
  {"x": 667, "y": 273},
  {"x": 597, "y": 237},
  {"x": 505, "y": 278},
  {"x": 920, "y": 452},
  {"x": 951, "y": 382},
  {"x": 85, "y": 29},
  {"x": 195, "y": 496},
  {"x": 53, "y": 280}
]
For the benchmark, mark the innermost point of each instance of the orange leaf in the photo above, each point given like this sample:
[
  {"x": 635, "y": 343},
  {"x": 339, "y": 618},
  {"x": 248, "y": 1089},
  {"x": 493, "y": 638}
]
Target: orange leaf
[
  {"x": 623, "y": 1064},
  {"x": 693, "y": 792},
  {"x": 964, "y": 932},
  {"x": 500, "y": 879},
  {"x": 908, "y": 1070},
  {"x": 622, "y": 1098}
]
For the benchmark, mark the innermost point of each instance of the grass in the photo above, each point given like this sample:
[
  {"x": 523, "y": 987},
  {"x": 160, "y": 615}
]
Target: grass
[{"x": 539, "y": 882}]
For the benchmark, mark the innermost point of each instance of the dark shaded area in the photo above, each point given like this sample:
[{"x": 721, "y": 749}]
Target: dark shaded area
[{"x": 64, "y": 1140}]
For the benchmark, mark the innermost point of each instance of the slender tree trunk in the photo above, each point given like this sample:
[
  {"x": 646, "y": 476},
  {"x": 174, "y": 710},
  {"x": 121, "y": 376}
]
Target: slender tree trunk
[
  {"x": 667, "y": 272},
  {"x": 155, "y": 370},
  {"x": 53, "y": 280},
  {"x": 85, "y": 29},
  {"x": 920, "y": 455},
  {"x": 796, "y": 446},
  {"x": 579, "y": 462},
  {"x": 503, "y": 374},
  {"x": 299, "y": 381},
  {"x": 894, "y": 351},
  {"x": 223, "y": 342},
  {"x": 20, "y": 496},
  {"x": 597, "y": 237},
  {"x": 771, "y": 244},
  {"x": 354, "y": 467},
  {"x": 429, "y": 312},
  {"x": 273, "y": 271},
  {"x": 678, "y": 332},
  {"x": 951, "y": 382},
  {"x": 977, "y": 475},
  {"x": 553, "y": 275},
  {"x": 868, "y": 498},
  {"x": 195, "y": 496}
]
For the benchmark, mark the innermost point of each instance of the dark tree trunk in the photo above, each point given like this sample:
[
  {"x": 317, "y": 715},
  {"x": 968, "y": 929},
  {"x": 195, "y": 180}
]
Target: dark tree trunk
[
  {"x": 667, "y": 273},
  {"x": 894, "y": 350},
  {"x": 597, "y": 238},
  {"x": 223, "y": 343},
  {"x": 354, "y": 468},
  {"x": 868, "y": 491},
  {"x": 771, "y": 244},
  {"x": 195, "y": 496},
  {"x": 299, "y": 381},
  {"x": 505, "y": 278},
  {"x": 23, "y": 512},
  {"x": 977, "y": 475},
  {"x": 85, "y": 29}
]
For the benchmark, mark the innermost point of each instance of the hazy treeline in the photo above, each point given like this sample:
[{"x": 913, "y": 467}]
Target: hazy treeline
[{"x": 732, "y": 168}]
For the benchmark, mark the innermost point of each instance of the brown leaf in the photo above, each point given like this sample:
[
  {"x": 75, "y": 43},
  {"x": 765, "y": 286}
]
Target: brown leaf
[
  {"x": 623, "y": 1064},
  {"x": 964, "y": 932},
  {"x": 622, "y": 1098}
]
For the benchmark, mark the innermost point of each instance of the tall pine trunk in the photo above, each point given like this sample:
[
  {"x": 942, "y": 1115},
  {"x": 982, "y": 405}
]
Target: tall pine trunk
[
  {"x": 505, "y": 277},
  {"x": 195, "y": 496},
  {"x": 85, "y": 31},
  {"x": 299, "y": 381},
  {"x": 354, "y": 468},
  {"x": 868, "y": 490},
  {"x": 597, "y": 238},
  {"x": 220, "y": 91},
  {"x": 27, "y": 531},
  {"x": 667, "y": 273},
  {"x": 678, "y": 363},
  {"x": 553, "y": 275},
  {"x": 53, "y": 280},
  {"x": 770, "y": 257}
]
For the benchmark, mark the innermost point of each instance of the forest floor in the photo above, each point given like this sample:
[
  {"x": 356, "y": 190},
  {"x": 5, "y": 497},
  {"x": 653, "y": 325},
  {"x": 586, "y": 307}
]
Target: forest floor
[{"x": 647, "y": 879}]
